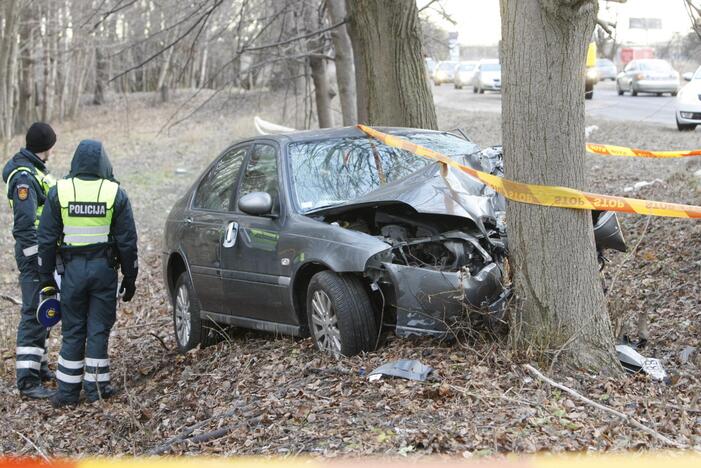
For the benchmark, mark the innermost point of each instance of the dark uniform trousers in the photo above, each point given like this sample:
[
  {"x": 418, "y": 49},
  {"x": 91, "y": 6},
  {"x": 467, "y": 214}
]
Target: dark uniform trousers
[
  {"x": 31, "y": 335},
  {"x": 88, "y": 312}
]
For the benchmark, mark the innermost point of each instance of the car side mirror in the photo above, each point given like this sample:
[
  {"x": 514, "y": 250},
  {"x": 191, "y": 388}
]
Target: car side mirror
[
  {"x": 256, "y": 203},
  {"x": 687, "y": 76}
]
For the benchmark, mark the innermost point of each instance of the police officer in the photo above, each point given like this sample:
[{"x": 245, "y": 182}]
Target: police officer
[
  {"x": 28, "y": 181},
  {"x": 88, "y": 219}
]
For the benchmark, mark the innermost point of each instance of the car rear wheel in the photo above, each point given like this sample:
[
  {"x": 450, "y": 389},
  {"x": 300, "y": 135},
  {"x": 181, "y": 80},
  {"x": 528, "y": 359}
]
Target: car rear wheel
[
  {"x": 619, "y": 90},
  {"x": 186, "y": 314},
  {"x": 682, "y": 127},
  {"x": 674, "y": 93},
  {"x": 633, "y": 92},
  {"x": 481, "y": 91},
  {"x": 474, "y": 89},
  {"x": 340, "y": 314}
]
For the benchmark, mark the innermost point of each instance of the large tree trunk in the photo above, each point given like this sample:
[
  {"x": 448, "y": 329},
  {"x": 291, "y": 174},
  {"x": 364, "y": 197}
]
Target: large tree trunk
[
  {"x": 560, "y": 304},
  {"x": 345, "y": 74},
  {"x": 387, "y": 44}
]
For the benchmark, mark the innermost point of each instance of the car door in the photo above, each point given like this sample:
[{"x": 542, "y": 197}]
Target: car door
[
  {"x": 255, "y": 287},
  {"x": 205, "y": 224}
]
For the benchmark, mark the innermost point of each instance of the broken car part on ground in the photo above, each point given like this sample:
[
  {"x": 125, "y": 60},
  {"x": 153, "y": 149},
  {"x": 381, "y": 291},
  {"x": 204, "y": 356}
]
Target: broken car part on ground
[{"x": 334, "y": 234}]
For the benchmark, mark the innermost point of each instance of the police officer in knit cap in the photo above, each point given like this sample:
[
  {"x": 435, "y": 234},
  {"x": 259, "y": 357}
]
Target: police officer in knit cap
[
  {"x": 88, "y": 219},
  {"x": 28, "y": 182}
]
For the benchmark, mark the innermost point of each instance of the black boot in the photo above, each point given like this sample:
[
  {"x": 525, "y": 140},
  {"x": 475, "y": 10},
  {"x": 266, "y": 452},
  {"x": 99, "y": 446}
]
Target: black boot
[
  {"x": 107, "y": 392},
  {"x": 37, "y": 392},
  {"x": 47, "y": 375},
  {"x": 59, "y": 401}
]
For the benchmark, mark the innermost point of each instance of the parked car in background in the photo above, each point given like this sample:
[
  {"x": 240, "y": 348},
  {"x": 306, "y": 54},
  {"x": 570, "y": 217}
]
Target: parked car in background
[
  {"x": 464, "y": 74},
  {"x": 688, "y": 105},
  {"x": 648, "y": 76},
  {"x": 487, "y": 76},
  {"x": 333, "y": 234},
  {"x": 591, "y": 74},
  {"x": 444, "y": 72},
  {"x": 607, "y": 69}
]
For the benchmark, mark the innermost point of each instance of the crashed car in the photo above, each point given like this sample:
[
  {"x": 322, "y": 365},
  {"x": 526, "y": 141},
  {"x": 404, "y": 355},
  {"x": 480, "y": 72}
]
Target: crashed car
[{"x": 331, "y": 233}]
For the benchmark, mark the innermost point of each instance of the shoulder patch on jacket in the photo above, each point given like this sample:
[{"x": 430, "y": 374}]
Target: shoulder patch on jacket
[{"x": 22, "y": 191}]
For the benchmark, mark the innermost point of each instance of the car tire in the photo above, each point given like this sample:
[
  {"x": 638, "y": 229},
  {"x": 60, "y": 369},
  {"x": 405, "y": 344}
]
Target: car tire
[
  {"x": 674, "y": 93},
  {"x": 437, "y": 83},
  {"x": 457, "y": 87},
  {"x": 186, "y": 314},
  {"x": 633, "y": 92},
  {"x": 682, "y": 127},
  {"x": 589, "y": 95},
  {"x": 340, "y": 314},
  {"x": 481, "y": 91},
  {"x": 474, "y": 89},
  {"x": 619, "y": 90}
]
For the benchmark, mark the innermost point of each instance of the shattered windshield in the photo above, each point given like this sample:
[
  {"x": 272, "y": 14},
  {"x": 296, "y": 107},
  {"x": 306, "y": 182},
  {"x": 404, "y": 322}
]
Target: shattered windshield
[{"x": 331, "y": 172}]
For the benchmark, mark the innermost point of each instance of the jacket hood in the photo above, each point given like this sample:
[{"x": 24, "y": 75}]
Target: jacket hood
[
  {"x": 24, "y": 158},
  {"x": 90, "y": 159}
]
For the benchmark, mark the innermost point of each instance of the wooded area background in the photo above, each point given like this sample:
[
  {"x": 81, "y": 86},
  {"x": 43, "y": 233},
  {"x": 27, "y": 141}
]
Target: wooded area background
[{"x": 58, "y": 55}]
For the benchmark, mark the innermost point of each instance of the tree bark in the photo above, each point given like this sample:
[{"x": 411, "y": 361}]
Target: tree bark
[
  {"x": 322, "y": 97},
  {"x": 345, "y": 73},
  {"x": 386, "y": 39},
  {"x": 8, "y": 66},
  {"x": 560, "y": 304},
  {"x": 27, "y": 97}
]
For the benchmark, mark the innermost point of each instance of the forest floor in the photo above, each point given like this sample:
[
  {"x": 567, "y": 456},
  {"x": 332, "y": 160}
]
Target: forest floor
[{"x": 279, "y": 396}]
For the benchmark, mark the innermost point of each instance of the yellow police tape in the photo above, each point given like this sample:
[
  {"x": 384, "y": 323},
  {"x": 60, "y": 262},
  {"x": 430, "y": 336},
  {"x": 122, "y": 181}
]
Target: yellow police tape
[
  {"x": 613, "y": 150},
  {"x": 545, "y": 195}
]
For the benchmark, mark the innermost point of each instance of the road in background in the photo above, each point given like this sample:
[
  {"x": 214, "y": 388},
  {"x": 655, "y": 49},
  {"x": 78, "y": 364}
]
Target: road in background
[{"x": 607, "y": 104}]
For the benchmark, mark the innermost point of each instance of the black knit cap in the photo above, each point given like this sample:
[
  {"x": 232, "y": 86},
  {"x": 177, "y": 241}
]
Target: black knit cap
[{"x": 40, "y": 137}]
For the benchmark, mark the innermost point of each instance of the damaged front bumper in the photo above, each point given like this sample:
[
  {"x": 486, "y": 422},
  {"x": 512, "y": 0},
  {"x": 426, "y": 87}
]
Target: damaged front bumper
[{"x": 433, "y": 303}]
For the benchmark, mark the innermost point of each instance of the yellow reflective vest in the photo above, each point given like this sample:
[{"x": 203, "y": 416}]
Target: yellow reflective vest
[
  {"x": 46, "y": 181},
  {"x": 87, "y": 207}
]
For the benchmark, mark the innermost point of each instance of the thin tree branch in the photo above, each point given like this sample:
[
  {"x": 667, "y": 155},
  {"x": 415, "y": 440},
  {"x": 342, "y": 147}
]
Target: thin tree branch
[
  {"x": 623, "y": 416},
  {"x": 296, "y": 38}
]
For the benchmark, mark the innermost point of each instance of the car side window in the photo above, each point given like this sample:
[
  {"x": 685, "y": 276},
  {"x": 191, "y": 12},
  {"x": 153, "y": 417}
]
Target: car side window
[
  {"x": 214, "y": 192},
  {"x": 260, "y": 174}
]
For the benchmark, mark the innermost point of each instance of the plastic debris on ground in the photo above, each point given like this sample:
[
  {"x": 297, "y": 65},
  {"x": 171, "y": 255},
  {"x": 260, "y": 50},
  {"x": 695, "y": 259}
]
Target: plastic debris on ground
[
  {"x": 634, "y": 362},
  {"x": 403, "y": 368},
  {"x": 641, "y": 184}
]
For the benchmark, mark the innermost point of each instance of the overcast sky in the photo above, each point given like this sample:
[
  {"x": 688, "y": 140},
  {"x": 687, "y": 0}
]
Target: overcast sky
[{"x": 478, "y": 21}]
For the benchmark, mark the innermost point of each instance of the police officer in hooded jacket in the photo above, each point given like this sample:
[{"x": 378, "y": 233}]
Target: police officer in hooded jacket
[
  {"x": 88, "y": 221},
  {"x": 28, "y": 182}
]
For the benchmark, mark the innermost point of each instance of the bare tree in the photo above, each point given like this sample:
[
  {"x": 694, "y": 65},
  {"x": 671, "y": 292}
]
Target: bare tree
[
  {"x": 343, "y": 54},
  {"x": 390, "y": 70},
  {"x": 560, "y": 307}
]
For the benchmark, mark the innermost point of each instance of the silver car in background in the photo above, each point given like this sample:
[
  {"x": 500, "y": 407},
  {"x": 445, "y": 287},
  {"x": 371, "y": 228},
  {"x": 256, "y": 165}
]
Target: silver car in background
[
  {"x": 607, "y": 70},
  {"x": 465, "y": 74},
  {"x": 648, "y": 76},
  {"x": 487, "y": 76},
  {"x": 444, "y": 73}
]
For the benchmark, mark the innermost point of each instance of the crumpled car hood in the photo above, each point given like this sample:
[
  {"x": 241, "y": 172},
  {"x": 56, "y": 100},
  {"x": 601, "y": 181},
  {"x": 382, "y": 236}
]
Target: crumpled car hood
[{"x": 435, "y": 190}]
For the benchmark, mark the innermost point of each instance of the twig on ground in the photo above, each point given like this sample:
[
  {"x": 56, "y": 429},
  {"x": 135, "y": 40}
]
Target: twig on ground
[
  {"x": 165, "y": 446},
  {"x": 160, "y": 340},
  {"x": 625, "y": 417},
  {"x": 11, "y": 299},
  {"x": 39, "y": 451}
]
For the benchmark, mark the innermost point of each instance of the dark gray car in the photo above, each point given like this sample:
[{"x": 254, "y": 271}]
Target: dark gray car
[{"x": 333, "y": 234}]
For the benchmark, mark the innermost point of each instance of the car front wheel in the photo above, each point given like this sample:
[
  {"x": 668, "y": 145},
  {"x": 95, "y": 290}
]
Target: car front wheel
[
  {"x": 186, "y": 314},
  {"x": 340, "y": 314}
]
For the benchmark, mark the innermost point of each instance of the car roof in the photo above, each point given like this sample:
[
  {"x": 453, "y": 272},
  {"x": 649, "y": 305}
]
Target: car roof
[{"x": 338, "y": 132}]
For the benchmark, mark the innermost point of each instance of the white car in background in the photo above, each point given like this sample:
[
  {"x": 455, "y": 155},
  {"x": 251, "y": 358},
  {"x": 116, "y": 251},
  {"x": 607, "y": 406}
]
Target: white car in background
[
  {"x": 688, "y": 109},
  {"x": 444, "y": 72},
  {"x": 465, "y": 73},
  {"x": 487, "y": 76}
]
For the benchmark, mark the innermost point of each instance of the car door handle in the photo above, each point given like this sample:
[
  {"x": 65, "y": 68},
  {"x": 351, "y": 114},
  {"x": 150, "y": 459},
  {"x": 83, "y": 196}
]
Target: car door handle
[
  {"x": 232, "y": 231},
  {"x": 188, "y": 220}
]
